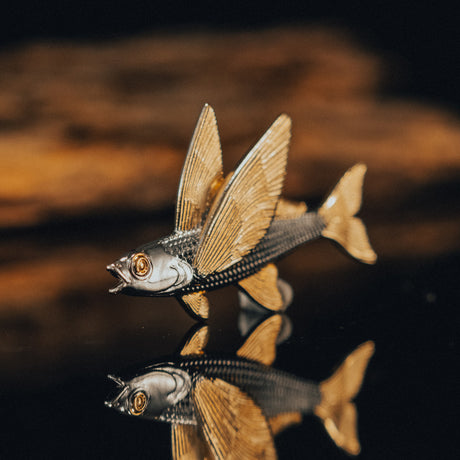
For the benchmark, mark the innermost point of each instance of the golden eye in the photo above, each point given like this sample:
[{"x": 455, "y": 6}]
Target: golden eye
[
  {"x": 140, "y": 265},
  {"x": 138, "y": 403}
]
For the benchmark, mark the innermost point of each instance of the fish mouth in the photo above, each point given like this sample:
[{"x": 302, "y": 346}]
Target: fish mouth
[
  {"x": 115, "y": 270},
  {"x": 115, "y": 398}
]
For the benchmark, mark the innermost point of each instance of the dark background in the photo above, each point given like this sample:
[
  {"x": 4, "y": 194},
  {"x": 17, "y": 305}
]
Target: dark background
[
  {"x": 423, "y": 37},
  {"x": 408, "y": 405}
]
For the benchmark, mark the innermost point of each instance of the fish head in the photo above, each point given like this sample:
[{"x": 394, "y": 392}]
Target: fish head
[
  {"x": 150, "y": 394},
  {"x": 150, "y": 271}
]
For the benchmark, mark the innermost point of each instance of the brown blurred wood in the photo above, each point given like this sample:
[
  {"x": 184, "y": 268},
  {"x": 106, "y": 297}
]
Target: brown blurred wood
[
  {"x": 93, "y": 127},
  {"x": 97, "y": 129}
]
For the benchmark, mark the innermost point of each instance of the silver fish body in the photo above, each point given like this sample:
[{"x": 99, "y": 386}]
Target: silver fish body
[
  {"x": 273, "y": 390},
  {"x": 180, "y": 248},
  {"x": 229, "y": 229},
  {"x": 219, "y": 403}
]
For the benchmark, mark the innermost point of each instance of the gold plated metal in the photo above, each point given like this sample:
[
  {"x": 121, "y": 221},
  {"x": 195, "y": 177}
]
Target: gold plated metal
[
  {"x": 187, "y": 444},
  {"x": 336, "y": 409},
  {"x": 260, "y": 346},
  {"x": 140, "y": 264},
  {"x": 239, "y": 219},
  {"x": 233, "y": 425},
  {"x": 280, "y": 422},
  {"x": 263, "y": 288},
  {"x": 197, "y": 303},
  {"x": 196, "y": 343},
  {"x": 338, "y": 212},
  {"x": 138, "y": 403},
  {"x": 201, "y": 173},
  {"x": 288, "y": 209},
  {"x": 222, "y": 407},
  {"x": 232, "y": 229}
]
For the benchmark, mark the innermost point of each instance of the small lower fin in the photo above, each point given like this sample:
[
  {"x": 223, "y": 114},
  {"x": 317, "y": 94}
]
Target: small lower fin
[
  {"x": 263, "y": 288},
  {"x": 197, "y": 303},
  {"x": 196, "y": 341},
  {"x": 280, "y": 422},
  {"x": 336, "y": 410},
  {"x": 260, "y": 346},
  {"x": 338, "y": 212}
]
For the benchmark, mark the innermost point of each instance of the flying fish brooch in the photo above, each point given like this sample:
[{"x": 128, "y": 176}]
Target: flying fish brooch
[{"x": 230, "y": 230}]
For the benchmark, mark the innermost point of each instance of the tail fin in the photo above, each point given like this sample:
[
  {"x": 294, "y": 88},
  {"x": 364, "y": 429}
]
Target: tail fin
[
  {"x": 338, "y": 212},
  {"x": 336, "y": 409}
]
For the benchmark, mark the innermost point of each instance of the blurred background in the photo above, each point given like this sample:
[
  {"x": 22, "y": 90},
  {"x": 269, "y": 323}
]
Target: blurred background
[{"x": 98, "y": 101}]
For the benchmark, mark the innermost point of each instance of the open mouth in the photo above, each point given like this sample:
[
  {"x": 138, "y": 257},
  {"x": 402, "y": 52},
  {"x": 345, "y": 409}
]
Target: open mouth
[
  {"x": 115, "y": 398},
  {"x": 117, "y": 273}
]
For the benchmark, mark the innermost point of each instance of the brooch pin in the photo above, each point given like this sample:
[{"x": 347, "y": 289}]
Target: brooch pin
[{"x": 230, "y": 230}]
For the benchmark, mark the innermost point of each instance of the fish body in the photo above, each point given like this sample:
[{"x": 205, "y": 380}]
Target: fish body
[
  {"x": 203, "y": 396},
  {"x": 230, "y": 230},
  {"x": 282, "y": 237},
  {"x": 273, "y": 390}
]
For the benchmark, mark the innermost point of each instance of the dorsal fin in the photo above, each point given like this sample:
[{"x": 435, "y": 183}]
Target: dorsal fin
[
  {"x": 287, "y": 209},
  {"x": 233, "y": 425},
  {"x": 196, "y": 341},
  {"x": 201, "y": 174},
  {"x": 261, "y": 344},
  {"x": 241, "y": 214},
  {"x": 262, "y": 286}
]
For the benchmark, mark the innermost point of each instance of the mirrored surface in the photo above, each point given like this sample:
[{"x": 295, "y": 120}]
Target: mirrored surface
[{"x": 222, "y": 406}]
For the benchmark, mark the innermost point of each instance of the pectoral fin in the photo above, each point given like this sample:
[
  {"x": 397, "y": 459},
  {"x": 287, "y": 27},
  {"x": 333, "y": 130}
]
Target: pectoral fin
[
  {"x": 202, "y": 172},
  {"x": 187, "y": 444},
  {"x": 245, "y": 205},
  {"x": 263, "y": 288},
  {"x": 197, "y": 303},
  {"x": 261, "y": 344},
  {"x": 232, "y": 424}
]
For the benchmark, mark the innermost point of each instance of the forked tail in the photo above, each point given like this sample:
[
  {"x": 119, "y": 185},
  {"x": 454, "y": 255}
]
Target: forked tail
[
  {"x": 336, "y": 409},
  {"x": 338, "y": 212}
]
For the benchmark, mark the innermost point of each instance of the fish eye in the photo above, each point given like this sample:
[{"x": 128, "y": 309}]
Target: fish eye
[
  {"x": 138, "y": 403},
  {"x": 140, "y": 265}
]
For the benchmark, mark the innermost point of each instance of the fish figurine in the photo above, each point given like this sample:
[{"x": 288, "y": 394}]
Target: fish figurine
[
  {"x": 231, "y": 407},
  {"x": 231, "y": 230}
]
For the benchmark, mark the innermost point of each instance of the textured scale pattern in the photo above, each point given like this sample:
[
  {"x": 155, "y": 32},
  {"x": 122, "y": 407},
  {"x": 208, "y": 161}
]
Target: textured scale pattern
[
  {"x": 274, "y": 390},
  {"x": 282, "y": 236}
]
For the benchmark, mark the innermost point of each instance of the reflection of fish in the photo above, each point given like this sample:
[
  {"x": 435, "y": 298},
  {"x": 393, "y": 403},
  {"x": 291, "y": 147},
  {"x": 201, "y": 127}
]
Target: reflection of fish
[
  {"x": 230, "y": 230},
  {"x": 230, "y": 407}
]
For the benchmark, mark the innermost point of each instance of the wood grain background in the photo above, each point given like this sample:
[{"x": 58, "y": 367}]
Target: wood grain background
[{"x": 93, "y": 137}]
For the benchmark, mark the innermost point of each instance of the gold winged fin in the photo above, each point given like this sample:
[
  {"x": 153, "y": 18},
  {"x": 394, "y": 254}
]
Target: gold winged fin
[
  {"x": 263, "y": 288},
  {"x": 280, "y": 422},
  {"x": 186, "y": 444},
  {"x": 232, "y": 424},
  {"x": 197, "y": 303},
  {"x": 240, "y": 216},
  {"x": 261, "y": 344},
  {"x": 196, "y": 343},
  {"x": 202, "y": 172}
]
